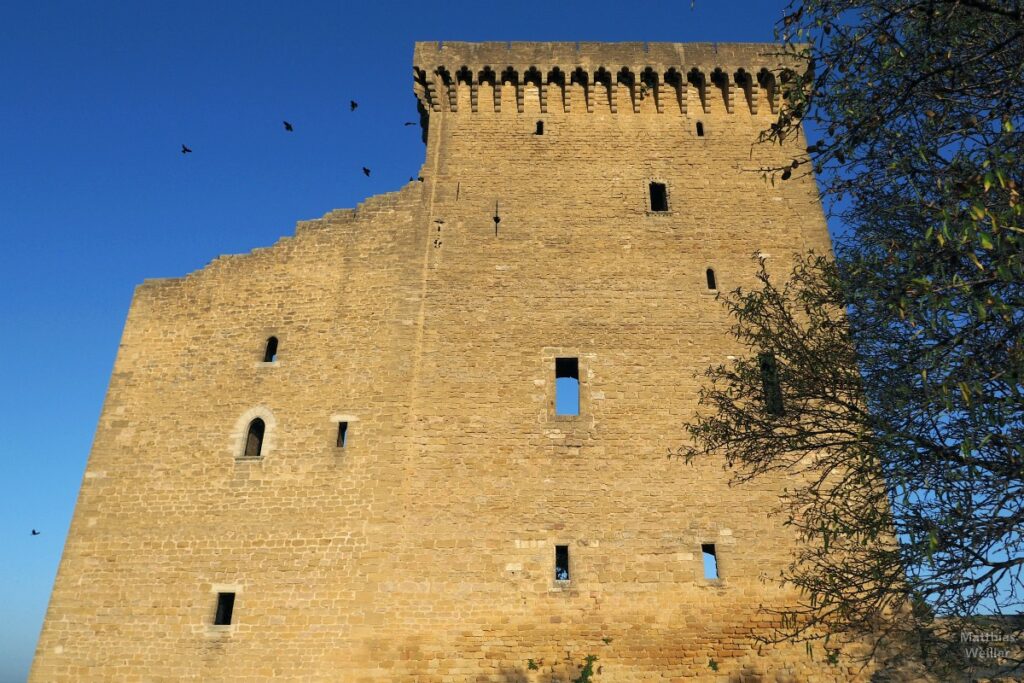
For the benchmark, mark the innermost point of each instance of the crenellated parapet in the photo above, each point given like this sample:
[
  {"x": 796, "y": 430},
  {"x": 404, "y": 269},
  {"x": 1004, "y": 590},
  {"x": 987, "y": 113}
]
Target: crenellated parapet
[{"x": 584, "y": 77}]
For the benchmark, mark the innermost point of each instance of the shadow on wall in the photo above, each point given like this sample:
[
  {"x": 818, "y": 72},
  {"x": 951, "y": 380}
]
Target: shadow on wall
[
  {"x": 519, "y": 675},
  {"x": 505, "y": 676},
  {"x": 750, "y": 675}
]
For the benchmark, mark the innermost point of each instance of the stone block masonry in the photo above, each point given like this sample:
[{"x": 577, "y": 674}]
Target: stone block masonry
[{"x": 419, "y": 545}]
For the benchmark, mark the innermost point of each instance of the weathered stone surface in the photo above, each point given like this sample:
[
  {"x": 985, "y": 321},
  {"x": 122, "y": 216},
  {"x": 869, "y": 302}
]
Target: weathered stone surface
[{"x": 424, "y": 550}]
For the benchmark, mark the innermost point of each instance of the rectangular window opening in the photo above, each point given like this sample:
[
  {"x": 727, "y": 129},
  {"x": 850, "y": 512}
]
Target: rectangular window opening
[
  {"x": 567, "y": 386},
  {"x": 342, "y": 434},
  {"x": 225, "y": 608},
  {"x": 770, "y": 384},
  {"x": 561, "y": 563},
  {"x": 710, "y": 561},
  {"x": 659, "y": 197}
]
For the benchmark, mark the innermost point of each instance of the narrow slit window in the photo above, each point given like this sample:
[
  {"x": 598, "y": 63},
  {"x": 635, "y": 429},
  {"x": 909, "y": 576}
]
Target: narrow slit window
[
  {"x": 700, "y": 129},
  {"x": 540, "y": 128},
  {"x": 270, "y": 355},
  {"x": 342, "y": 434},
  {"x": 225, "y": 609},
  {"x": 659, "y": 197},
  {"x": 710, "y": 560},
  {"x": 254, "y": 438},
  {"x": 567, "y": 386},
  {"x": 770, "y": 384},
  {"x": 712, "y": 283},
  {"x": 561, "y": 563}
]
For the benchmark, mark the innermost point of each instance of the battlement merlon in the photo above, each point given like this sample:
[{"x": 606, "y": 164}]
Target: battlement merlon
[{"x": 662, "y": 70}]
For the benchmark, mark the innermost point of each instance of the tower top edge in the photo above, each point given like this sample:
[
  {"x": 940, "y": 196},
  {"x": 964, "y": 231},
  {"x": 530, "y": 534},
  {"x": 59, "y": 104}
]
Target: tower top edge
[{"x": 455, "y": 54}]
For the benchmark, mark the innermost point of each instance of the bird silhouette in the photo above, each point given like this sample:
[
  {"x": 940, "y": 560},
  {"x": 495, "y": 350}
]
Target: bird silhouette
[
  {"x": 185, "y": 150},
  {"x": 366, "y": 172},
  {"x": 287, "y": 126},
  {"x": 409, "y": 123},
  {"x": 352, "y": 104},
  {"x": 35, "y": 533}
]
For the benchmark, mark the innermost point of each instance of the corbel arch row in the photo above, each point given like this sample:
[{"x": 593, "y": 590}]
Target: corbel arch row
[{"x": 714, "y": 86}]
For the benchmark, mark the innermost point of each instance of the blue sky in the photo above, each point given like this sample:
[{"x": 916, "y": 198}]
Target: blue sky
[{"x": 95, "y": 102}]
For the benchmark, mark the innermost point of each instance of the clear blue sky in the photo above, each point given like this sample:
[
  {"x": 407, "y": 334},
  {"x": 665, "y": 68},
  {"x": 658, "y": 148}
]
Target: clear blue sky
[{"x": 95, "y": 102}]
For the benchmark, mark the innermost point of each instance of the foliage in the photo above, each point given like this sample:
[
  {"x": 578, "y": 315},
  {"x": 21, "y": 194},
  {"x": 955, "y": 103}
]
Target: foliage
[
  {"x": 587, "y": 670},
  {"x": 901, "y": 362}
]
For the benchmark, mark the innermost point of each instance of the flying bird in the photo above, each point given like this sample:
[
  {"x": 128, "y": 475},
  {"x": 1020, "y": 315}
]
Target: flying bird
[
  {"x": 287, "y": 126},
  {"x": 366, "y": 172},
  {"x": 185, "y": 150},
  {"x": 410, "y": 123},
  {"x": 35, "y": 533},
  {"x": 352, "y": 104}
]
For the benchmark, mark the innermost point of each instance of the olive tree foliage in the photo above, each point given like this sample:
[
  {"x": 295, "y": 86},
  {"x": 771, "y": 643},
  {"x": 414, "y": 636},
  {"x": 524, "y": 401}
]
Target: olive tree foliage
[{"x": 899, "y": 363}]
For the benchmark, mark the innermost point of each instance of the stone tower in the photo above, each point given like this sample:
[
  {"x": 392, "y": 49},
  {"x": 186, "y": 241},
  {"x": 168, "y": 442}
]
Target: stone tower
[{"x": 340, "y": 458}]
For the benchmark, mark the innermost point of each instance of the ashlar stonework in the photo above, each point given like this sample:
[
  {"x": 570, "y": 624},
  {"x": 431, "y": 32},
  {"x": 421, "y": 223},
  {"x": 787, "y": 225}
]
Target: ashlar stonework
[{"x": 428, "y": 321}]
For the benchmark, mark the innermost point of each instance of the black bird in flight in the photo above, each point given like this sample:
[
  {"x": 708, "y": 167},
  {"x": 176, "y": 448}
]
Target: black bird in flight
[
  {"x": 366, "y": 172},
  {"x": 410, "y": 123},
  {"x": 287, "y": 126},
  {"x": 35, "y": 533},
  {"x": 352, "y": 104},
  {"x": 185, "y": 150}
]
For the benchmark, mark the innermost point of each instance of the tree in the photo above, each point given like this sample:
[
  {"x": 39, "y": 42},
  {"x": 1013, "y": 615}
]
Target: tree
[{"x": 890, "y": 379}]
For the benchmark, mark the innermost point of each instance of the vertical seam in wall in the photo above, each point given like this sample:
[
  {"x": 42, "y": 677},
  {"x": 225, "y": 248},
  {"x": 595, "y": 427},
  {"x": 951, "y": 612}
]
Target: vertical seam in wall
[{"x": 424, "y": 275}]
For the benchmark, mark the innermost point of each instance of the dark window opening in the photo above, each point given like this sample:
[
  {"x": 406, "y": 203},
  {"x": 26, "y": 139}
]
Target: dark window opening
[
  {"x": 712, "y": 283},
  {"x": 225, "y": 608},
  {"x": 270, "y": 355},
  {"x": 659, "y": 197},
  {"x": 254, "y": 440},
  {"x": 700, "y": 129},
  {"x": 342, "y": 434},
  {"x": 770, "y": 383},
  {"x": 561, "y": 563},
  {"x": 710, "y": 561},
  {"x": 567, "y": 386},
  {"x": 540, "y": 128}
]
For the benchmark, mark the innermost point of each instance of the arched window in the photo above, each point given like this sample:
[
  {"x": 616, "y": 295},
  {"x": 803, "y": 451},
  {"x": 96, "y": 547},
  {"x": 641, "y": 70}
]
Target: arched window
[
  {"x": 540, "y": 128},
  {"x": 270, "y": 355},
  {"x": 254, "y": 438},
  {"x": 712, "y": 284},
  {"x": 700, "y": 129}
]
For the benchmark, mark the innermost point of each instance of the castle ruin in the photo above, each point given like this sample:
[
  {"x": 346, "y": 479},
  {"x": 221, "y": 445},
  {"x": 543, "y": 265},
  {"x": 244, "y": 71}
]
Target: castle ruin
[{"x": 342, "y": 457}]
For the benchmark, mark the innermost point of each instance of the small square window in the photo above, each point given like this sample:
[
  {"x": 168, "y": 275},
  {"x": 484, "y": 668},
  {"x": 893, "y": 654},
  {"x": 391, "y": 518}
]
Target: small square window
[{"x": 225, "y": 609}]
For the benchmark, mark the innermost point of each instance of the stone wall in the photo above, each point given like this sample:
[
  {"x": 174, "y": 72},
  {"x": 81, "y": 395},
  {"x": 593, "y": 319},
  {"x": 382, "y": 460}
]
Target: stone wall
[{"x": 424, "y": 549}]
